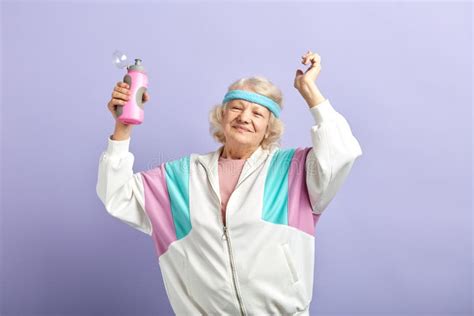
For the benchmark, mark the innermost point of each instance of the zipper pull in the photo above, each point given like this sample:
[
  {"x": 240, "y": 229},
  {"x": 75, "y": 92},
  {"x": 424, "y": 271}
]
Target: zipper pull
[{"x": 224, "y": 236}]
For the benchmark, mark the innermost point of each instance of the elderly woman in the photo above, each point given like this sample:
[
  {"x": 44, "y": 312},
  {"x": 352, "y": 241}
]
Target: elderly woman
[{"x": 234, "y": 229}]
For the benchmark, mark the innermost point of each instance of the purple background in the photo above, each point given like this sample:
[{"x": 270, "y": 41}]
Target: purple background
[{"x": 396, "y": 240}]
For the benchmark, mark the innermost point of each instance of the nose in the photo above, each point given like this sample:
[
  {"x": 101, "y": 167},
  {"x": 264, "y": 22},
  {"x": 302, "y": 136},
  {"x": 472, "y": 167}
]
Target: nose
[{"x": 244, "y": 117}]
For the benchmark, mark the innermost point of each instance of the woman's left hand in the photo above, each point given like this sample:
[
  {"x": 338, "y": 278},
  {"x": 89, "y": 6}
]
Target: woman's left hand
[
  {"x": 312, "y": 73},
  {"x": 305, "y": 81}
]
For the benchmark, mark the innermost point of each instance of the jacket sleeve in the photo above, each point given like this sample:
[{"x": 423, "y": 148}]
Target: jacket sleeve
[
  {"x": 331, "y": 158},
  {"x": 119, "y": 188}
]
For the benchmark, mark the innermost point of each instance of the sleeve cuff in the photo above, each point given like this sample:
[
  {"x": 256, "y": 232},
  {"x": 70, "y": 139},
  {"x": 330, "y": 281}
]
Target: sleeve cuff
[
  {"x": 118, "y": 146},
  {"x": 323, "y": 112}
]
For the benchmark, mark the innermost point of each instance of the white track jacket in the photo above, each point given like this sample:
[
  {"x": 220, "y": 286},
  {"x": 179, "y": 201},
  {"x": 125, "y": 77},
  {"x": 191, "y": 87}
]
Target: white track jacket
[{"x": 262, "y": 262}]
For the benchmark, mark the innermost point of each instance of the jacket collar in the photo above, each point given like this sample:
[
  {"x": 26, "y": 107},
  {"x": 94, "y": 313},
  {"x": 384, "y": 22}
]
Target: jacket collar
[{"x": 210, "y": 163}]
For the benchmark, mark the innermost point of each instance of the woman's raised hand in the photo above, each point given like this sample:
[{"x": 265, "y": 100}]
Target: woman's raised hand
[
  {"x": 305, "y": 81},
  {"x": 311, "y": 74},
  {"x": 120, "y": 96}
]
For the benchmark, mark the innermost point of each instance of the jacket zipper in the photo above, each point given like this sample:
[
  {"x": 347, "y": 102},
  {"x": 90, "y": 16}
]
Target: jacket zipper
[
  {"x": 226, "y": 236},
  {"x": 239, "y": 298}
]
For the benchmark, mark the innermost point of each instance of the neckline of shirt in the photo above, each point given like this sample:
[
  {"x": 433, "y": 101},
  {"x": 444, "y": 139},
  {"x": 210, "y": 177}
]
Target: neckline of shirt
[{"x": 230, "y": 159}]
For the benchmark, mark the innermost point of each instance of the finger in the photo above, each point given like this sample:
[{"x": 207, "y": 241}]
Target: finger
[
  {"x": 122, "y": 84},
  {"x": 119, "y": 95},
  {"x": 118, "y": 102},
  {"x": 306, "y": 59},
  {"x": 114, "y": 103},
  {"x": 306, "y": 54},
  {"x": 122, "y": 90},
  {"x": 313, "y": 58}
]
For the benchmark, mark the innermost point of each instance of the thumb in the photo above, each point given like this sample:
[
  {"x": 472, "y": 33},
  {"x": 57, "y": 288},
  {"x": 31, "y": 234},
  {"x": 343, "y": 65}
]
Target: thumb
[
  {"x": 145, "y": 97},
  {"x": 298, "y": 73}
]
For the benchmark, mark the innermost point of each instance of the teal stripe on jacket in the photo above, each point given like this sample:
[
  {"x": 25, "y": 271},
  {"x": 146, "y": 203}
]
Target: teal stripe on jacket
[
  {"x": 177, "y": 180},
  {"x": 275, "y": 197}
]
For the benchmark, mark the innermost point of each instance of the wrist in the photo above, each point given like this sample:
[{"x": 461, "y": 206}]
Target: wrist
[
  {"x": 312, "y": 95},
  {"x": 122, "y": 131}
]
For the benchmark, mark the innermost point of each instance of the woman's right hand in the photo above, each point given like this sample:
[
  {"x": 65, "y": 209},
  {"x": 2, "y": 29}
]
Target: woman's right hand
[{"x": 120, "y": 96}]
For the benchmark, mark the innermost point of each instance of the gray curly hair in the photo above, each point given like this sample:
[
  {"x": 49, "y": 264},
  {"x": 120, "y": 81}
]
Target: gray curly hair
[{"x": 260, "y": 85}]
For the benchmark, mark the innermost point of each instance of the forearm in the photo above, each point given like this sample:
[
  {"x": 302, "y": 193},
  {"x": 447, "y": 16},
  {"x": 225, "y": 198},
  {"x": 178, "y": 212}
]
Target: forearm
[
  {"x": 312, "y": 95},
  {"x": 122, "y": 131}
]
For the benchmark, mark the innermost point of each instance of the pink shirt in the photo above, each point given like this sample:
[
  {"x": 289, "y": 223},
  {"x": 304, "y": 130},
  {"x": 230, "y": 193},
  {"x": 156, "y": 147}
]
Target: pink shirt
[{"x": 229, "y": 173}]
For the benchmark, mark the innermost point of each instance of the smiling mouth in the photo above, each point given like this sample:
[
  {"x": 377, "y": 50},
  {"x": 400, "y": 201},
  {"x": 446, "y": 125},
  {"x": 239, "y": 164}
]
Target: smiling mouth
[{"x": 241, "y": 129}]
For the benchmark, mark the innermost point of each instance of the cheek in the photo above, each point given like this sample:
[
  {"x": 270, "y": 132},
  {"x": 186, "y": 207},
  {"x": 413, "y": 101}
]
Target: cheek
[
  {"x": 227, "y": 117},
  {"x": 262, "y": 126},
  {"x": 227, "y": 123}
]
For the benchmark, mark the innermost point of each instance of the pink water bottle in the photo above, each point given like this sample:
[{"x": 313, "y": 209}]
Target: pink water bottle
[{"x": 132, "y": 112}]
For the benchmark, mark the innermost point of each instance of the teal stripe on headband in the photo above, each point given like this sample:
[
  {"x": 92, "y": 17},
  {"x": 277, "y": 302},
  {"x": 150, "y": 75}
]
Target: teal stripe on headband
[{"x": 255, "y": 98}]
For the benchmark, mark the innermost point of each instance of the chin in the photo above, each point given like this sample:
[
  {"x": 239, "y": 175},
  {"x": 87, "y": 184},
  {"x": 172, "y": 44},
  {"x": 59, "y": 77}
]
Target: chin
[{"x": 241, "y": 140}]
